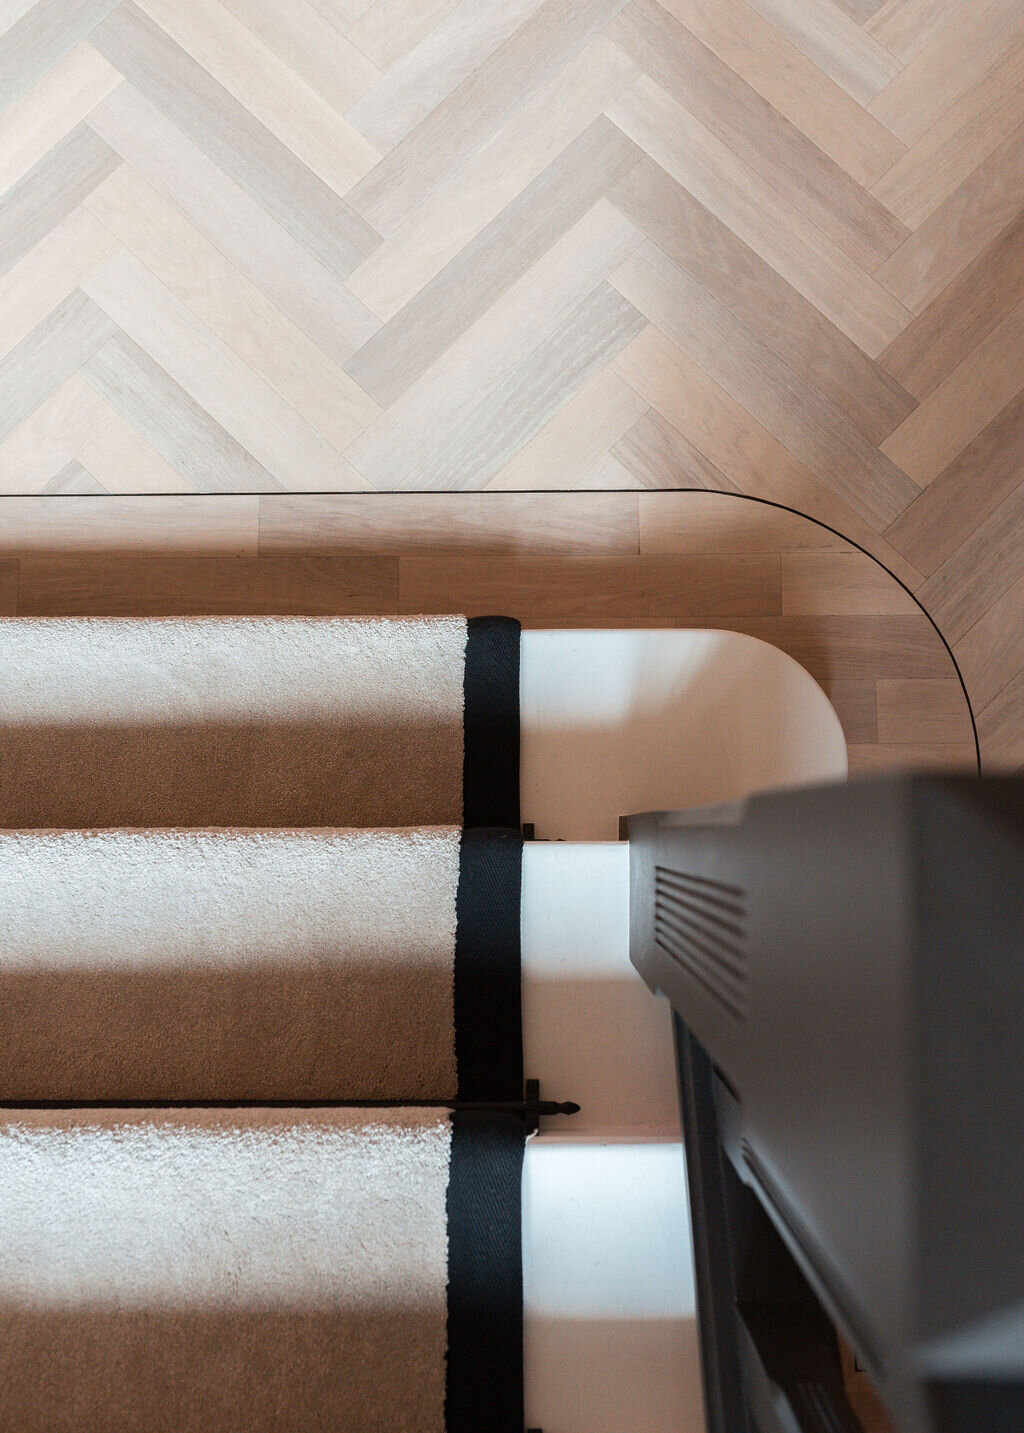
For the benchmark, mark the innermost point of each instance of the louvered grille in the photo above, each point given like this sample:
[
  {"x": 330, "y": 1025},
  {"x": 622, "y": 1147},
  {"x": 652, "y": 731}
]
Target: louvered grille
[{"x": 702, "y": 924}]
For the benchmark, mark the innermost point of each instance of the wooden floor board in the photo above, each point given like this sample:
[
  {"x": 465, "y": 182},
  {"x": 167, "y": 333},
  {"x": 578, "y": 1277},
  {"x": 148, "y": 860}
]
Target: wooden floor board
[
  {"x": 754, "y": 129},
  {"x": 604, "y": 252},
  {"x": 966, "y": 311}
]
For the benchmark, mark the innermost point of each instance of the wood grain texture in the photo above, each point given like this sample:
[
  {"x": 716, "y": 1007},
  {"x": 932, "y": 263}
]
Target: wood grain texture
[
  {"x": 760, "y": 247},
  {"x": 999, "y": 728},
  {"x": 950, "y": 328},
  {"x": 957, "y": 57},
  {"x": 960, "y": 228},
  {"x": 987, "y": 472},
  {"x": 242, "y": 146},
  {"x": 505, "y": 524},
  {"x": 754, "y": 375},
  {"x": 756, "y": 294},
  {"x": 159, "y": 586},
  {"x": 50, "y": 191},
  {"x": 559, "y": 559},
  {"x": 930, "y": 711},
  {"x": 754, "y": 129},
  {"x": 79, "y": 527}
]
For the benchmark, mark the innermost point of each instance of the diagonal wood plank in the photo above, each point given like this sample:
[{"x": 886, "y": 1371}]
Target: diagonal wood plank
[
  {"x": 765, "y": 385},
  {"x": 195, "y": 272},
  {"x": 254, "y": 157},
  {"x": 235, "y": 224},
  {"x": 753, "y": 129},
  {"x": 176, "y": 427},
  {"x": 49, "y": 192},
  {"x": 243, "y": 403},
  {"x": 469, "y": 284},
  {"x": 851, "y": 298},
  {"x": 762, "y": 300}
]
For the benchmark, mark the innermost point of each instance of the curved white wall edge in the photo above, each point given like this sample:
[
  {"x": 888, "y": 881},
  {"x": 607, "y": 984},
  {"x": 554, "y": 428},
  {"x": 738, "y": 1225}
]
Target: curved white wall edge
[
  {"x": 614, "y": 722},
  {"x": 617, "y": 721}
]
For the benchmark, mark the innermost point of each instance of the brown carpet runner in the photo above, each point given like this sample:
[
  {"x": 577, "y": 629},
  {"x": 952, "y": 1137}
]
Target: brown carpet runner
[
  {"x": 253, "y": 721},
  {"x": 260, "y": 1026},
  {"x": 261, "y": 1271}
]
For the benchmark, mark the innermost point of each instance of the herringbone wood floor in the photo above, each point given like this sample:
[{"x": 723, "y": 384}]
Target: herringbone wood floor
[{"x": 765, "y": 247}]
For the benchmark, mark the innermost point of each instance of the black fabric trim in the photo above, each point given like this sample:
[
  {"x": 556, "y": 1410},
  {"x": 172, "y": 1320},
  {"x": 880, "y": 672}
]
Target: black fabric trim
[
  {"x": 488, "y": 983},
  {"x": 490, "y": 768},
  {"x": 484, "y": 1373}
]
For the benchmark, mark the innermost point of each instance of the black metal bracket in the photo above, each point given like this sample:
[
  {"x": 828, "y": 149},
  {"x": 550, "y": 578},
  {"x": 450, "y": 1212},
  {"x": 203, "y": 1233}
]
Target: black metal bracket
[{"x": 533, "y": 1107}]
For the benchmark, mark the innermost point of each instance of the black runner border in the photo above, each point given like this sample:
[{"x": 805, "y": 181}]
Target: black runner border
[{"x": 490, "y": 764}]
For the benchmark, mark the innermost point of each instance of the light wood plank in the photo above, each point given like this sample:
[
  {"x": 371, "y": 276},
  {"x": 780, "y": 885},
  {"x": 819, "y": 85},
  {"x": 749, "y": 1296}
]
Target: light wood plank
[
  {"x": 342, "y": 14},
  {"x": 31, "y": 127},
  {"x": 275, "y": 95},
  {"x": 235, "y": 224},
  {"x": 123, "y": 462},
  {"x": 11, "y": 12},
  {"x": 963, "y": 404},
  {"x": 754, "y": 130},
  {"x": 411, "y": 89},
  {"x": 310, "y": 45},
  {"x": 923, "y": 712},
  {"x": 477, "y": 108},
  {"x": 767, "y": 388},
  {"x": 257, "y": 160},
  {"x": 160, "y": 586},
  {"x": 913, "y": 756},
  {"x": 1000, "y": 729},
  {"x": 839, "y": 584},
  {"x": 906, "y": 27},
  {"x": 608, "y": 475},
  {"x": 948, "y": 153},
  {"x": 73, "y": 479},
  {"x": 657, "y": 455},
  {"x": 735, "y": 442},
  {"x": 930, "y": 348},
  {"x": 527, "y": 313},
  {"x": 517, "y": 408},
  {"x": 50, "y": 191},
  {"x": 861, "y": 648},
  {"x": 960, "y": 228},
  {"x": 47, "y": 441},
  {"x": 993, "y": 648},
  {"x": 793, "y": 83},
  {"x": 578, "y": 437},
  {"x": 477, "y": 191},
  {"x": 856, "y": 707},
  {"x": 979, "y": 572},
  {"x": 726, "y": 522},
  {"x": 837, "y": 44},
  {"x": 233, "y": 308},
  {"x": 50, "y": 355},
  {"x": 235, "y": 396},
  {"x": 981, "y": 477},
  {"x": 388, "y": 29},
  {"x": 850, "y": 298},
  {"x": 956, "y": 59},
  {"x": 687, "y": 587},
  {"x": 771, "y": 308},
  {"x": 40, "y": 37},
  {"x": 506, "y": 524},
  {"x": 76, "y": 527},
  {"x": 470, "y": 283},
  {"x": 8, "y": 589},
  {"x": 180, "y": 430},
  {"x": 49, "y": 273}
]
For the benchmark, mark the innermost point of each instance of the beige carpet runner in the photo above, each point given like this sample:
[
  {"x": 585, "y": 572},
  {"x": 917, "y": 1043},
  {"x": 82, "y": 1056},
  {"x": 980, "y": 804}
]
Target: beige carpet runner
[
  {"x": 261, "y": 1085},
  {"x": 256, "y": 721}
]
